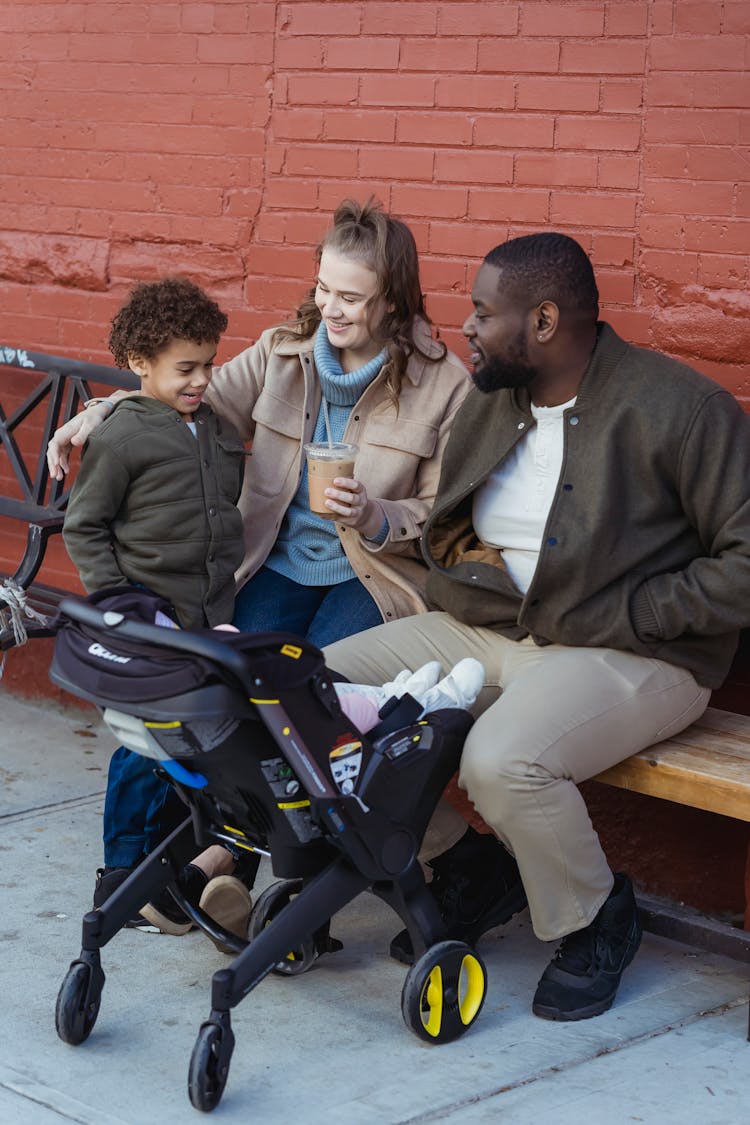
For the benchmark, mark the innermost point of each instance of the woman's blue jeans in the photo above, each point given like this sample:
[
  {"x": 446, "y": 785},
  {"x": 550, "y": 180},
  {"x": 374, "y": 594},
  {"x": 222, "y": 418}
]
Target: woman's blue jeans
[
  {"x": 140, "y": 809},
  {"x": 270, "y": 602}
]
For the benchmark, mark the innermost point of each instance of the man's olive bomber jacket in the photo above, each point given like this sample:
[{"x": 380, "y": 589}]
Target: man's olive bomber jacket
[{"x": 647, "y": 544}]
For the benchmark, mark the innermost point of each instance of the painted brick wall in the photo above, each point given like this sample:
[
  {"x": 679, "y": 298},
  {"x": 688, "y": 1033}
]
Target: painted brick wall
[{"x": 216, "y": 138}]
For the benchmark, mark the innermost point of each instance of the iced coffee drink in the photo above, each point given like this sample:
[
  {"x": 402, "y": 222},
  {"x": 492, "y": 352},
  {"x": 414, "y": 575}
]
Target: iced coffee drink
[{"x": 324, "y": 462}]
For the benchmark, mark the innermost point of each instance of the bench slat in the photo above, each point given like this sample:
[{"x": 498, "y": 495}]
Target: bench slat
[
  {"x": 707, "y": 766},
  {"x": 731, "y": 739}
]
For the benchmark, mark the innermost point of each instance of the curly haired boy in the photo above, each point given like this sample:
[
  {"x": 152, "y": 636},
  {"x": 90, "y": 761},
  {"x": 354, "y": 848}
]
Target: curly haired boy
[
  {"x": 155, "y": 499},
  {"x": 154, "y": 505}
]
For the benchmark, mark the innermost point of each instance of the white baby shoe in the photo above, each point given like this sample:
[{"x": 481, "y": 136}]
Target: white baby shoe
[
  {"x": 459, "y": 688},
  {"x": 415, "y": 683}
]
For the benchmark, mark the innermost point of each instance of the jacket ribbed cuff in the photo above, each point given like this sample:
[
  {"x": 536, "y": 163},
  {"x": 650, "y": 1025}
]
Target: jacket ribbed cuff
[{"x": 644, "y": 620}]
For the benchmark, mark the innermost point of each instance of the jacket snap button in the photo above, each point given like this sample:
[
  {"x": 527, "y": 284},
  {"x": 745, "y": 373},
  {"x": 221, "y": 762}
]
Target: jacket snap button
[
  {"x": 574, "y": 420},
  {"x": 521, "y": 425}
]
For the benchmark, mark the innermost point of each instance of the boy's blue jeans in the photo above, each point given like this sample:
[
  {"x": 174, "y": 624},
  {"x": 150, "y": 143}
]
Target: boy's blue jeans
[{"x": 140, "y": 809}]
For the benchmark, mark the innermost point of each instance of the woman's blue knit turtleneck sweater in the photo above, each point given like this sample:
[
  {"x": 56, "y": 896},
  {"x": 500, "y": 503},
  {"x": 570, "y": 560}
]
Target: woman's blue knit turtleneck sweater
[{"x": 308, "y": 549}]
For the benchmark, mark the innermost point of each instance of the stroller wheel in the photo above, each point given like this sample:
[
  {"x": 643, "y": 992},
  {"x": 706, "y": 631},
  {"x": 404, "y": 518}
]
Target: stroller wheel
[
  {"x": 267, "y": 906},
  {"x": 78, "y": 1003},
  {"x": 209, "y": 1066},
  {"x": 444, "y": 991}
]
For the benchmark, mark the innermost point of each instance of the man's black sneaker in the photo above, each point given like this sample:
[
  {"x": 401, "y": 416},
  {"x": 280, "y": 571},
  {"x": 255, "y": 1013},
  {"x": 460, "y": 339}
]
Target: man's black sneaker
[
  {"x": 163, "y": 913},
  {"x": 108, "y": 879},
  {"x": 476, "y": 885},
  {"x": 582, "y": 978}
]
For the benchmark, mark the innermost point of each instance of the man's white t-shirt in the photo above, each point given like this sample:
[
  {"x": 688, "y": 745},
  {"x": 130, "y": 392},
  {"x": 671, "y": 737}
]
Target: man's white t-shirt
[{"x": 510, "y": 509}]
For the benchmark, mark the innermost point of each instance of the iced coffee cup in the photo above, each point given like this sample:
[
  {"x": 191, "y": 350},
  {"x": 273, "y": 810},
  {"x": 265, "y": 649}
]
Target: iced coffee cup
[{"x": 324, "y": 463}]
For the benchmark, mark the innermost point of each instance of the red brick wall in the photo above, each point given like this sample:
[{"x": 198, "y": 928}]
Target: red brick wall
[{"x": 216, "y": 139}]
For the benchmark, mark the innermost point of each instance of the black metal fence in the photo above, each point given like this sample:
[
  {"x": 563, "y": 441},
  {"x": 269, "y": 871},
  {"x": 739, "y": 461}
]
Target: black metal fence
[{"x": 38, "y": 393}]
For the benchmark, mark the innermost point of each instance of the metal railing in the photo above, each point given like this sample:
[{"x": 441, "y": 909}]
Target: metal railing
[{"x": 52, "y": 388}]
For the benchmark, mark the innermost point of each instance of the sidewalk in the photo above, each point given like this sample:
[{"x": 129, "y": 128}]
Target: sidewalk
[{"x": 329, "y": 1046}]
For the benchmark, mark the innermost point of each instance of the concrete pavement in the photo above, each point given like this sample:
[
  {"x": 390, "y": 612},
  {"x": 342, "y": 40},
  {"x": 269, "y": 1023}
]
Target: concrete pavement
[{"x": 329, "y": 1046}]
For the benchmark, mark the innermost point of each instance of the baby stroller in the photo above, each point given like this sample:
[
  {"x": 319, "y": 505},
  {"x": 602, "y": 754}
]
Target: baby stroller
[{"x": 250, "y": 732}]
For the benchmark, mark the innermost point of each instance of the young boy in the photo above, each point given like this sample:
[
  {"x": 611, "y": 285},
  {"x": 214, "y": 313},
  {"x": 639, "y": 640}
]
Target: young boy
[
  {"x": 154, "y": 505},
  {"x": 155, "y": 499}
]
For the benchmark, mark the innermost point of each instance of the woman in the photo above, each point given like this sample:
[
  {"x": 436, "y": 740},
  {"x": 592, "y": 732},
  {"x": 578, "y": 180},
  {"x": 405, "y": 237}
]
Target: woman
[
  {"x": 358, "y": 364},
  {"x": 361, "y": 341}
]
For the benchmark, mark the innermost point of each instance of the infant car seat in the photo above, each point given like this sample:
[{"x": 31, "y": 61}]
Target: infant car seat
[{"x": 250, "y": 732}]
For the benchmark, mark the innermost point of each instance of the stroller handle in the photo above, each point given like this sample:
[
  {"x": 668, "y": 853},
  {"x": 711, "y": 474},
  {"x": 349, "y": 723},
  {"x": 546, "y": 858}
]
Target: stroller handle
[{"x": 204, "y": 644}]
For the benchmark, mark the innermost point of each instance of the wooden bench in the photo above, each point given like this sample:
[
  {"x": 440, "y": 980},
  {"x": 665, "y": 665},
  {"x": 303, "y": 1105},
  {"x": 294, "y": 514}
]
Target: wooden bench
[
  {"x": 707, "y": 766},
  {"x": 38, "y": 393}
]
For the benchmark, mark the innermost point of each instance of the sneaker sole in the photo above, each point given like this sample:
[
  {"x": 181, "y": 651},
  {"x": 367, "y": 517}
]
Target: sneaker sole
[
  {"x": 142, "y": 924},
  {"x": 163, "y": 924},
  {"x": 557, "y": 1016},
  {"x": 228, "y": 902}
]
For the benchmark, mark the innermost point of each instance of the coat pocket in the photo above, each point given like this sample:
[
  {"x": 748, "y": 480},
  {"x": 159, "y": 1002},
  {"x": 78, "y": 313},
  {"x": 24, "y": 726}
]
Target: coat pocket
[
  {"x": 231, "y": 466},
  {"x": 406, "y": 436},
  {"x": 276, "y": 444}
]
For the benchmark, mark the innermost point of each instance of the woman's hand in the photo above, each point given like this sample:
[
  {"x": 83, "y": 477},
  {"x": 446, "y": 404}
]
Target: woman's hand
[
  {"x": 75, "y": 432},
  {"x": 348, "y": 499}
]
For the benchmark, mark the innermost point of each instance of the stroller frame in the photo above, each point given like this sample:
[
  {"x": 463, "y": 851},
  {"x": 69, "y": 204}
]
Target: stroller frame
[{"x": 358, "y": 846}]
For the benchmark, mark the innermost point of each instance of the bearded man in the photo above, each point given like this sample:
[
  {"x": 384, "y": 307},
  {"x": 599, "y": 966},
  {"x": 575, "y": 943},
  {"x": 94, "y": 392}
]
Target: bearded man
[{"x": 590, "y": 545}]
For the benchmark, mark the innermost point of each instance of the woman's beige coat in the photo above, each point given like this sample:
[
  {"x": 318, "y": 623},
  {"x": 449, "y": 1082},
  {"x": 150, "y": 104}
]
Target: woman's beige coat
[{"x": 271, "y": 394}]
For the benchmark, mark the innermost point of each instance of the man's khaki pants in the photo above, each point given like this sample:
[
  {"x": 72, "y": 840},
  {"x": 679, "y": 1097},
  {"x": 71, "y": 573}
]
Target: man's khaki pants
[{"x": 548, "y": 718}]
